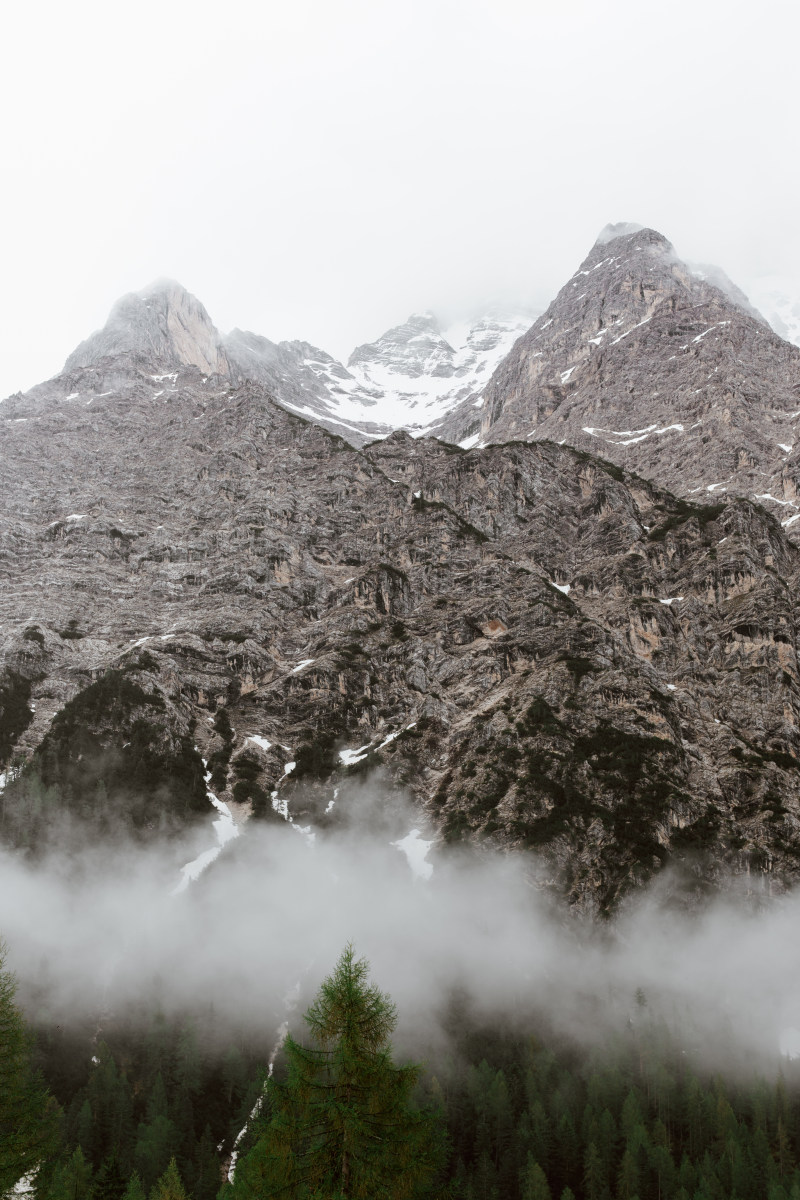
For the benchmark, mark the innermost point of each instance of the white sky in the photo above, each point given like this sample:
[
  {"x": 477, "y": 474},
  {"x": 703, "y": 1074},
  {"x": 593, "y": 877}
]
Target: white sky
[{"x": 320, "y": 169}]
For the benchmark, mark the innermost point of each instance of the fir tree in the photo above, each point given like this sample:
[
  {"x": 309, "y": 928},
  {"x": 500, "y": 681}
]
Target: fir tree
[
  {"x": 342, "y": 1124},
  {"x": 135, "y": 1189},
  {"x": 28, "y": 1129},
  {"x": 71, "y": 1180},
  {"x": 169, "y": 1186},
  {"x": 534, "y": 1182}
]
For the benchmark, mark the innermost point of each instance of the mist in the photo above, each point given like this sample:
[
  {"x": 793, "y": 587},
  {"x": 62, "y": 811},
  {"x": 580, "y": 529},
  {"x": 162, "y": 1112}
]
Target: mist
[
  {"x": 97, "y": 930},
  {"x": 320, "y": 171}
]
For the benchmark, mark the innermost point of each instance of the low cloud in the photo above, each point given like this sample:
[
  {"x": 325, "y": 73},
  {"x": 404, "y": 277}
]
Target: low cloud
[{"x": 95, "y": 928}]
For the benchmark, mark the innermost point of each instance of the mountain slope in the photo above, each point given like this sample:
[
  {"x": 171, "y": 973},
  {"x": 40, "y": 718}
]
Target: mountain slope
[
  {"x": 545, "y": 651},
  {"x": 410, "y": 378},
  {"x": 662, "y": 371}
]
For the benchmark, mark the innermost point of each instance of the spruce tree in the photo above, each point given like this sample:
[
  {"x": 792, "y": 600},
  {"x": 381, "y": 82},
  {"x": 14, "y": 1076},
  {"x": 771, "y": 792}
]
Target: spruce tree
[
  {"x": 28, "y": 1129},
  {"x": 135, "y": 1189},
  {"x": 342, "y": 1124},
  {"x": 170, "y": 1186},
  {"x": 534, "y": 1182}
]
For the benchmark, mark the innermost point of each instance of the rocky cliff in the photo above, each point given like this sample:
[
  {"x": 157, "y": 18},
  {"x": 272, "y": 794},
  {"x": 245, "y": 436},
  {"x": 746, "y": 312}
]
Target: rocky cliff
[
  {"x": 545, "y": 650},
  {"x": 665, "y": 370}
]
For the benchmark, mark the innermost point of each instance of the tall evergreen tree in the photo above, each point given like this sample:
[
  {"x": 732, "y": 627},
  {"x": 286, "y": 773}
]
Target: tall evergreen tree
[
  {"x": 28, "y": 1128},
  {"x": 342, "y": 1125},
  {"x": 170, "y": 1186},
  {"x": 534, "y": 1182}
]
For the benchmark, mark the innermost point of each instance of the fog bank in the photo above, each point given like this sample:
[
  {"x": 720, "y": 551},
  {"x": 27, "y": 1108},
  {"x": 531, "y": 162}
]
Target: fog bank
[{"x": 93, "y": 928}]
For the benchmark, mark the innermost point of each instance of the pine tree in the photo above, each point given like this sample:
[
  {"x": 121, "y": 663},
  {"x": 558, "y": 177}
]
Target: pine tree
[
  {"x": 342, "y": 1124},
  {"x": 109, "y": 1183},
  {"x": 135, "y": 1189},
  {"x": 534, "y": 1182},
  {"x": 169, "y": 1186},
  {"x": 28, "y": 1129},
  {"x": 71, "y": 1180}
]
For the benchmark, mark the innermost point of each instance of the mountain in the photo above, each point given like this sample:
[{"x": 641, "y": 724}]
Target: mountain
[
  {"x": 413, "y": 377},
  {"x": 410, "y": 378},
  {"x": 665, "y": 370},
  {"x": 543, "y": 649},
  {"x": 162, "y": 326}
]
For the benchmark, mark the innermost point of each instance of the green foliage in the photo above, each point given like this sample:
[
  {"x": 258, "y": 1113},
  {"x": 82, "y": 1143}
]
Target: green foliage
[
  {"x": 578, "y": 666},
  {"x": 15, "y": 712},
  {"x": 135, "y": 1189},
  {"x": 28, "y": 1115},
  {"x": 169, "y": 1186},
  {"x": 71, "y": 633},
  {"x": 527, "y": 1118},
  {"x": 682, "y": 512},
  {"x": 220, "y": 759},
  {"x": 70, "y": 1180},
  {"x": 342, "y": 1122},
  {"x": 157, "y": 1091},
  {"x": 315, "y": 757},
  {"x": 111, "y": 758},
  {"x": 628, "y": 1121}
]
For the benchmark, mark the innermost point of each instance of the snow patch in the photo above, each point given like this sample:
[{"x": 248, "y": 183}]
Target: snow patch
[
  {"x": 305, "y": 663},
  {"x": 260, "y": 741},
  {"x": 774, "y": 499},
  {"x": 416, "y": 851},
  {"x": 628, "y": 332},
  {"x": 225, "y": 830},
  {"x": 349, "y": 758}
]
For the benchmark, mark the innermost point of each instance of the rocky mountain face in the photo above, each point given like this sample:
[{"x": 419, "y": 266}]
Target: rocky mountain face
[
  {"x": 205, "y": 586},
  {"x": 411, "y": 378},
  {"x": 544, "y": 650},
  {"x": 163, "y": 327},
  {"x": 666, "y": 371}
]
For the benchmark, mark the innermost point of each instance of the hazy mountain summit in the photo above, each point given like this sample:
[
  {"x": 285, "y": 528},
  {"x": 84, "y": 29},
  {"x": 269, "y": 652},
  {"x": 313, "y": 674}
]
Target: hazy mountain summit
[
  {"x": 161, "y": 326},
  {"x": 666, "y": 370},
  {"x": 413, "y": 377}
]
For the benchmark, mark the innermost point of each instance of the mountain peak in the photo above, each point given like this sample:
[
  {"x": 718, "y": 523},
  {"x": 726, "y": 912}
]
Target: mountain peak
[
  {"x": 611, "y": 232},
  {"x": 163, "y": 325}
]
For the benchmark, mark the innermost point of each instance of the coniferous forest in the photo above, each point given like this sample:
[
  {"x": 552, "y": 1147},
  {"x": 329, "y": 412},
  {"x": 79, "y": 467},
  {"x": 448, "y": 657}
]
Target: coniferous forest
[{"x": 152, "y": 1108}]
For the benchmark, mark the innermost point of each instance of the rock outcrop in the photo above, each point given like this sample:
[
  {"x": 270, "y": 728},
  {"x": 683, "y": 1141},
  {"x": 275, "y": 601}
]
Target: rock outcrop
[
  {"x": 544, "y": 650},
  {"x": 162, "y": 326},
  {"x": 666, "y": 371}
]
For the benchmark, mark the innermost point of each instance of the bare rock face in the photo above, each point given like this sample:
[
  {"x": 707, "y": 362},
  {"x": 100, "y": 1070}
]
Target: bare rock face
[
  {"x": 668, "y": 372},
  {"x": 162, "y": 326},
  {"x": 544, "y": 650},
  {"x": 594, "y": 660}
]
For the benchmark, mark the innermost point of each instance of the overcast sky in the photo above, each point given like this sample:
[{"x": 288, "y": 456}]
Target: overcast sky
[{"x": 320, "y": 169}]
